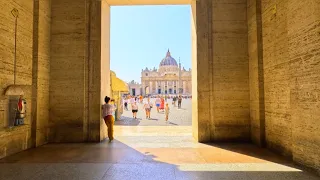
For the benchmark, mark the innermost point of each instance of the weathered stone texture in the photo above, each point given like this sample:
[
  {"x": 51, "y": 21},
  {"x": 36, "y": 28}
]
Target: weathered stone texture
[
  {"x": 276, "y": 76},
  {"x": 202, "y": 89},
  {"x": 41, "y": 67},
  {"x": 291, "y": 70},
  {"x": 256, "y": 80},
  {"x": 304, "y": 57},
  {"x": 230, "y": 98},
  {"x": 78, "y": 75},
  {"x": 18, "y": 138},
  {"x": 67, "y": 71},
  {"x": 222, "y": 88}
]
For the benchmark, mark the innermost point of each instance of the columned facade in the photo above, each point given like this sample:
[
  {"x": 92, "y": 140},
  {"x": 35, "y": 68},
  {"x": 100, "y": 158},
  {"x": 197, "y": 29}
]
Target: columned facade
[{"x": 168, "y": 79}]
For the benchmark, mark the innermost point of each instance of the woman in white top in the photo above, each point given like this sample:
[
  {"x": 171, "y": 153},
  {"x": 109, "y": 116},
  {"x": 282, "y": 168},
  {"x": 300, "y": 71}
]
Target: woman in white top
[
  {"x": 132, "y": 100},
  {"x": 108, "y": 110}
]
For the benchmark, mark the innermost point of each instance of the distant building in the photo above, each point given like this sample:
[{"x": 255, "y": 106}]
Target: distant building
[
  {"x": 170, "y": 78},
  {"x": 134, "y": 88}
]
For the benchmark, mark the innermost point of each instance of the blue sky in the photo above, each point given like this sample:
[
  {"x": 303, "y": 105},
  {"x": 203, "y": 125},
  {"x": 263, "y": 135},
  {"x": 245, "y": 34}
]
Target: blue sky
[{"x": 141, "y": 36}]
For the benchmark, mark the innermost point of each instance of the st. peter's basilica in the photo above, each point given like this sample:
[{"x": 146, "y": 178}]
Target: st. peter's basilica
[{"x": 170, "y": 78}]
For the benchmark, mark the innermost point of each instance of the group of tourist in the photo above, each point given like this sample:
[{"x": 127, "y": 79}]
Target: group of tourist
[
  {"x": 172, "y": 96},
  {"x": 131, "y": 100},
  {"x": 161, "y": 104}
]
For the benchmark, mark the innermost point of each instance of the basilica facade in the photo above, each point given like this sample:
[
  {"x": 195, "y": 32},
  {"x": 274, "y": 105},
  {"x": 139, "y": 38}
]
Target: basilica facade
[{"x": 169, "y": 79}]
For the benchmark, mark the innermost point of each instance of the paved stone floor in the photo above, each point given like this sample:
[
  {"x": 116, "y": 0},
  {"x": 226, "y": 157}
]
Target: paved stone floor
[
  {"x": 149, "y": 153},
  {"x": 177, "y": 117}
]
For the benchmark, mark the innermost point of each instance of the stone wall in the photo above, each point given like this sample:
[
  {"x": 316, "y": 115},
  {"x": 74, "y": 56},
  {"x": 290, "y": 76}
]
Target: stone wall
[
  {"x": 68, "y": 85},
  {"x": 290, "y": 47},
  {"x": 230, "y": 100},
  {"x": 304, "y": 56},
  {"x": 13, "y": 140},
  {"x": 78, "y": 70},
  {"x": 256, "y": 75},
  {"x": 33, "y": 40},
  {"x": 41, "y": 68},
  {"x": 276, "y": 67},
  {"x": 222, "y": 71}
]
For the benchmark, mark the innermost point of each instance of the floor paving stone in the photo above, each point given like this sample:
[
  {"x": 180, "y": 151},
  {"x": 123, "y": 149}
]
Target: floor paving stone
[{"x": 151, "y": 150}]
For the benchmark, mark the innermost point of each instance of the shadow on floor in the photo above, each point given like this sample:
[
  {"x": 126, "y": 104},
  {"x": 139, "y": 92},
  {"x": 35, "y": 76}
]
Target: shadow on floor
[
  {"x": 252, "y": 150},
  {"x": 171, "y": 123},
  {"x": 116, "y": 160},
  {"x": 127, "y": 121}
]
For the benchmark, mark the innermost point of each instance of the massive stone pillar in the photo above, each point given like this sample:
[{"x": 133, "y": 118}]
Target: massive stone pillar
[
  {"x": 256, "y": 75},
  {"x": 79, "y": 81},
  {"x": 220, "y": 75},
  {"x": 40, "y": 72}
]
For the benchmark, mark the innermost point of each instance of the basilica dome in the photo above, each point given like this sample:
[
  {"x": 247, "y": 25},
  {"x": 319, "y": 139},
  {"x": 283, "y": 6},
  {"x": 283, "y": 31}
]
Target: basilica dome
[{"x": 168, "y": 60}]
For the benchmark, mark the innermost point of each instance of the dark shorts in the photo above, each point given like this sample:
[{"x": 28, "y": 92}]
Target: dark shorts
[
  {"x": 134, "y": 111},
  {"x": 158, "y": 105}
]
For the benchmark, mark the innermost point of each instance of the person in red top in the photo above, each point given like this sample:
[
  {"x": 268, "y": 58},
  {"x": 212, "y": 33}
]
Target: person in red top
[{"x": 162, "y": 104}]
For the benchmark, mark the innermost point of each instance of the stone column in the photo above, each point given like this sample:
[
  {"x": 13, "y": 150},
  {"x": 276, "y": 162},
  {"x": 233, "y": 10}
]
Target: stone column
[
  {"x": 163, "y": 86},
  {"x": 201, "y": 32},
  {"x": 256, "y": 79},
  {"x": 76, "y": 94},
  {"x": 143, "y": 88},
  {"x": 150, "y": 87},
  {"x": 176, "y": 87}
]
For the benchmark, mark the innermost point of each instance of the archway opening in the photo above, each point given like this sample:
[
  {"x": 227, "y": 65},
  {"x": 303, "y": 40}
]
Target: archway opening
[{"x": 167, "y": 74}]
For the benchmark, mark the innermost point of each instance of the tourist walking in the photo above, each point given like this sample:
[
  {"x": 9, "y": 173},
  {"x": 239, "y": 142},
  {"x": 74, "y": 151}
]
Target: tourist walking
[
  {"x": 157, "y": 102},
  {"x": 125, "y": 104},
  {"x": 108, "y": 110},
  {"x": 161, "y": 104},
  {"x": 174, "y": 99},
  {"x": 132, "y": 100},
  {"x": 166, "y": 110},
  {"x": 147, "y": 106},
  {"x": 134, "y": 108},
  {"x": 179, "y": 101}
]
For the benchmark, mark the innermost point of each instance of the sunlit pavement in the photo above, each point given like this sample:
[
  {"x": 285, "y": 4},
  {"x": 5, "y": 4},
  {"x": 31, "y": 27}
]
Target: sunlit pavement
[
  {"x": 146, "y": 152},
  {"x": 177, "y": 117}
]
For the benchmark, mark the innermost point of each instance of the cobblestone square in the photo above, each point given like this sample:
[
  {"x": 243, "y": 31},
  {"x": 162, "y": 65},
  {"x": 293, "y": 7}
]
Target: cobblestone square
[{"x": 177, "y": 117}]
